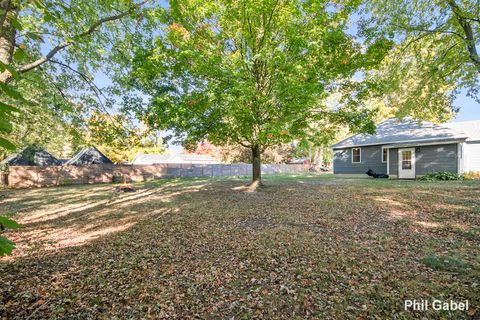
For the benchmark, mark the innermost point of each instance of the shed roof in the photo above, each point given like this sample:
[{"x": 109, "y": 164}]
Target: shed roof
[
  {"x": 88, "y": 156},
  {"x": 394, "y": 131},
  {"x": 31, "y": 156}
]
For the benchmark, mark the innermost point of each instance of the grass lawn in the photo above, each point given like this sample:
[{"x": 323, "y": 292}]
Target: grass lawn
[{"x": 304, "y": 246}]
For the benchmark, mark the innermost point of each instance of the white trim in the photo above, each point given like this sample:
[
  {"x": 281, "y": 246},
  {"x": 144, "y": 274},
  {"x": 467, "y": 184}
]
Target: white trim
[
  {"x": 460, "y": 158},
  {"x": 382, "y": 155},
  {"x": 411, "y": 145},
  {"x": 388, "y": 160},
  {"x": 360, "y": 154},
  {"x": 392, "y": 144},
  {"x": 412, "y": 159}
]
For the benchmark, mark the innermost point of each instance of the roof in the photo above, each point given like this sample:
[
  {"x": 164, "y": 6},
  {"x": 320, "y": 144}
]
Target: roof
[
  {"x": 88, "y": 156},
  {"x": 470, "y": 128},
  {"x": 31, "y": 156},
  {"x": 143, "y": 158},
  {"x": 394, "y": 131}
]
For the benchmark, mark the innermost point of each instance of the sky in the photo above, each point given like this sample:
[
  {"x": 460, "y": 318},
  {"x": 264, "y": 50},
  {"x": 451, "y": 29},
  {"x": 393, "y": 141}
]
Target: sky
[{"x": 469, "y": 108}]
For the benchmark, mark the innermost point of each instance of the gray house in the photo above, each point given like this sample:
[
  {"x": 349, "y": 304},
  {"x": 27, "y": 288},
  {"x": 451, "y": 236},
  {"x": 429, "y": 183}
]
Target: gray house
[{"x": 406, "y": 149}]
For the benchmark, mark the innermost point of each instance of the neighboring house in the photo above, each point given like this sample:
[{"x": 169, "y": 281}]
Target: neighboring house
[
  {"x": 142, "y": 158},
  {"x": 87, "y": 157},
  {"x": 31, "y": 156},
  {"x": 305, "y": 161},
  {"x": 408, "y": 149}
]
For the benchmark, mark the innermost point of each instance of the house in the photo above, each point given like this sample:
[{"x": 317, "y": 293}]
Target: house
[
  {"x": 31, "y": 156},
  {"x": 142, "y": 158},
  {"x": 88, "y": 156},
  {"x": 407, "y": 149}
]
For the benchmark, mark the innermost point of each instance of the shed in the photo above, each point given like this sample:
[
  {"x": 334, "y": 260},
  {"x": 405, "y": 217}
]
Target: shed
[
  {"x": 88, "y": 156},
  {"x": 31, "y": 156}
]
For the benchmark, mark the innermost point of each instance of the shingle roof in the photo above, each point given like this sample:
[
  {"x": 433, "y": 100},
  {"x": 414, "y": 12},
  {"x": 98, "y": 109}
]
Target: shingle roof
[
  {"x": 470, "y": 128},
  {"x": 88, "y": 156},
  {"x": 407, "y": 130},
  {"x": 31, "y": 156}
]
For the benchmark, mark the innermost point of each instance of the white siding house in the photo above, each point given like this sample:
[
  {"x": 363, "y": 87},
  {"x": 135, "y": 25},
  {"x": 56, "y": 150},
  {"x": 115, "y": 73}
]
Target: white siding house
[{"x": 471, "y": 146}]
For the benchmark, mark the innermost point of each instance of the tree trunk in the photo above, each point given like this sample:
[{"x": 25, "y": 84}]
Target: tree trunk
[
  {"x": 7, "y": 37},
  {"x": 256, "y": 166},
  {"x": 317, "y": 158}
]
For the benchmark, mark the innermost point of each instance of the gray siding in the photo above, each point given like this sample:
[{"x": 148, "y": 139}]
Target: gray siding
[
  {"x": 434, "y": 158},
  {"x": 371, "y": 159}
]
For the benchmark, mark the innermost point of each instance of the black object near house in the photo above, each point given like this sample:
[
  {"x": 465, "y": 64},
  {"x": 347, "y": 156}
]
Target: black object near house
[{"x": 88, "y": 156}]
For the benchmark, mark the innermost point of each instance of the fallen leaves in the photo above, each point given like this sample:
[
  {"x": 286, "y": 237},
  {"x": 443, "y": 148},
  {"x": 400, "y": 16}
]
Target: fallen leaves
[{"x": 198, "y": 249}]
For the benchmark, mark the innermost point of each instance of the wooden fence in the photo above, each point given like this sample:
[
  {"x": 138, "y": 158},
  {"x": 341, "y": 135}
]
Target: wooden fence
[{"x": 33, "y": 176}]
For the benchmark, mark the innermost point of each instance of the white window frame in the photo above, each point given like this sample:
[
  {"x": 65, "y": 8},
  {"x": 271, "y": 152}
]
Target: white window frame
[
  {"x": 386, "y": 161},
  {"x": 360, "y": 149}
]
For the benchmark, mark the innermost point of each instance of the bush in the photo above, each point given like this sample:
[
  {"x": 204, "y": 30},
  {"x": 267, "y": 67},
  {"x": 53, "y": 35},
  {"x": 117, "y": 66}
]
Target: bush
[
  {"x": 6, "y": 246},
  {"x": 443, "y": 176},
  {"x": 471, "y": 175}
]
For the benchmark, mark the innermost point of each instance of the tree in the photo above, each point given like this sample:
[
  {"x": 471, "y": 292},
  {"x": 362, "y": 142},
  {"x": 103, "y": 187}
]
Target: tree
[
  {"x": 49, "y": 53},
  {"x": 25, "y": 24},
  {"x": 238, "y": 154},
  {"x": 6, "y": 245},
  {"x": 253, "y": 74},
  {"x": 120, "y": 142},
  {"x": 436, "y": 52}
]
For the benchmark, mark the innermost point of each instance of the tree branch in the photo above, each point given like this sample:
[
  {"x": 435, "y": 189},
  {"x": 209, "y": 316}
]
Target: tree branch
[
  {"x": 89, "y": 31},
  {"x": 98, "y": 92},
  {"x": 469, "y": 36}
]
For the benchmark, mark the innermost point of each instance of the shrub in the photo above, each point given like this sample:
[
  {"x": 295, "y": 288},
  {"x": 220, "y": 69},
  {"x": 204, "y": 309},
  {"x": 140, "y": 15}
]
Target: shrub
[
  {"x": 6, "y": 246},
  {"x": 436, "y": 176},
  {"x": 471, "y": 175}
]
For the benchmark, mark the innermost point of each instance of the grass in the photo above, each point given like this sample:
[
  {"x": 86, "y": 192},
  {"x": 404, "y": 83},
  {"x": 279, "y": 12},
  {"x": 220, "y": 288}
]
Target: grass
[{"x": 305, "y": 246}]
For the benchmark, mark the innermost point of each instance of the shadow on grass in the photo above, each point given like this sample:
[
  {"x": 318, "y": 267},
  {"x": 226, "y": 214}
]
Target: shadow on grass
[{"x": 178, "y": 248}]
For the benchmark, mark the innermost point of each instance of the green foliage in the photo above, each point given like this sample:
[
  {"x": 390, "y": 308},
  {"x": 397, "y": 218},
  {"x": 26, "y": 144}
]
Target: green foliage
[
  {"x": 118, "y": 140},
  {"x": 470, "y": 233},
  {"x": 434, "y": 55},
  {"x": 6, "y": 113},
  {"x": 255, "y": 74},
  {"x": 85, "y": 36},
  {"x": 444, "y": 263},
  {"x": 7, "y": 246},
  {"x": 441, "y": 176}
]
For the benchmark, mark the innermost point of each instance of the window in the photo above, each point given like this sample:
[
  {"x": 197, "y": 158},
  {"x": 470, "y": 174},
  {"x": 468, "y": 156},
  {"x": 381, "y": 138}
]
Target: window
[
  {"x": 356, "y": 155},
  {"x": 384, "y": 154},
  {"x": 407, "y": 160}
]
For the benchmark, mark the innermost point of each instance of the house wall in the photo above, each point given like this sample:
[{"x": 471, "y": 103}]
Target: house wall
[
  {"x": 471, "y": 154},
  {"x": 44, "y": 176},
  {"x": 371, "y": 158},
  {"x": 433, "y": 158}
]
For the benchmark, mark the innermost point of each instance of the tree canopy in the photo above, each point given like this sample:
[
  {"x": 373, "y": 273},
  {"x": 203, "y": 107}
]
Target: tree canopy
[
  {"x": 118, "y": 140},
  {"x": 254, "y": 74},
  {"x": 50, "y": 52},
  {"x": 435, "y": 56}
]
